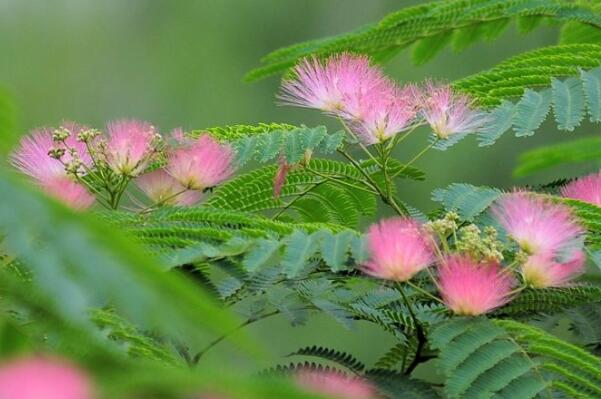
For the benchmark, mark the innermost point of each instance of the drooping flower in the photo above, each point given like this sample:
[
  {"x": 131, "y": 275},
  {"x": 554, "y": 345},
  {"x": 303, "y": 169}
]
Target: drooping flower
[
  {"x": 280, "y": 177},
  {"x": 162, "y": 188},
  {"x": 587, "y": 189},
  {"x": 542, "y": 271},
  {"x": 449, "y": 113},
  {"x": 43, "y": 378},
  {"x": 332, "y": 85},
  {"x": 335, "y": 384},
  {"x": 131, "y": 146},
  {"x": 538, "y": 225},
  {"x": 470, "y": 288},
  {"x": 31, "y": 158},
  {"x": 386, "y": 114},
  {"x": 399, "y": 248},
  {"x": 201, "y": 163}
]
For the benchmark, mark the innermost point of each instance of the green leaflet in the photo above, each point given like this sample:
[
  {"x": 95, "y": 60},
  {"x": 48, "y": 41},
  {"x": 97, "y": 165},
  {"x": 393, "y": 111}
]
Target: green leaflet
[
  {"x": 592, "y": 90},
  {"x": 430, "y": 26},
  {"x": 568, "y": 103},
  {"x": 530, "y": 112}
]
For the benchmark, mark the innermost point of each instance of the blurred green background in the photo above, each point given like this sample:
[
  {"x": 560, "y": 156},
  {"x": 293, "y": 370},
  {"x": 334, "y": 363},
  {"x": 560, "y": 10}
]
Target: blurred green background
[{"x": 180, "y": 63}]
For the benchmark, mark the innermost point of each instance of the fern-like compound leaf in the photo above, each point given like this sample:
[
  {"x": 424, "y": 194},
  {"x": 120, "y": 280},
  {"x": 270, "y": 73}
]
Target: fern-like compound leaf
[
  {"x": 568, "y": 103},
  {"x": 531, "y": 111}
]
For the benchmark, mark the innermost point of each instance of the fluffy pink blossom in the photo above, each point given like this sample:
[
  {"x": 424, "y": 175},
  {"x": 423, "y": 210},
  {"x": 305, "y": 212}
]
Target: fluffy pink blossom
[
  {"x": 333, "y": 86},
  {"x": 587, "y": 189},
  {"x": 201, "y": 163},
  {"x": 385, "y": 114},
  {"x": 542, "y": 271},
  {"x": 399, "y": 248},
  {"x": 449, "y": 113},
  {"x": 335, "y": 385},
  {"x": 43, "y": 378},
  {"x": 31, "y": 158},
  {"x": 470, "y": 288},
  {"x": 69, "y": 192},
  {"x": 131, "y": 146},
  {"x": 162, "y": 188},
  {"x": 538, "y": 225}
]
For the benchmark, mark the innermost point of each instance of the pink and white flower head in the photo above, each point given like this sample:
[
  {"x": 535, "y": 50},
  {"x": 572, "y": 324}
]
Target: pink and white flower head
[
  {"x": 131, "y": 146},
  {"x": 335, "y": 384},
  {"x": 469, "y": 288},
  {"x": 43, "y": 378},
  {"x": 542, "y": 271},
  {"x": 329, "y": 85},
  {"x": 399, "y": 248},
  {"x": 386, "y": 114},
  {"x": 162, "y": 188},
  {"x": 449, "y": 113},
  {"x": 201, "y": 163},
  {"x": 31, "y": 158},
  {"x": 538, "y": 225},
  {"x": 587, "y": 189}
]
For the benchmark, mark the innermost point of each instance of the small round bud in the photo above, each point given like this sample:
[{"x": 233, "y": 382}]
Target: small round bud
[
  {"x": 60, "y": 135},
  {"x": 56, "y": 153}
]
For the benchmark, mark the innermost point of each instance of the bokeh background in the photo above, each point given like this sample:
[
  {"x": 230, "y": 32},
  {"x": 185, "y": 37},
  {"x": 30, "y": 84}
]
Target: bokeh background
[{"x": 181, "y": 63}]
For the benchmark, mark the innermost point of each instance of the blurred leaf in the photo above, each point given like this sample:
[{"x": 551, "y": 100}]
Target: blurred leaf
[{"x": 79, "y": 263}]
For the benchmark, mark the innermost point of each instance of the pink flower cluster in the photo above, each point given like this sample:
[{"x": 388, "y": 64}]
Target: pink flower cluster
[
  {"x": 548, "y": 233},
  {"x": 374, "y": 106},
  {"x": 74, "y": 163},
  {"x": 549, "y": 237},
  {"x": 43, "y": 378}
]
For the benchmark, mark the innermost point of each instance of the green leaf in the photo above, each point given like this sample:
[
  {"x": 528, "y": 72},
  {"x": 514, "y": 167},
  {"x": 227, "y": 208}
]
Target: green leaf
[
  {"x": 78, "y": 262},
  {"x": 586, "y": 149},
  {"x": 335, "y": 249},
  {"x": 426, "y": 49},
  {"x": 469, "y": 201},
  {"x": 530, "y": 112},
  {"x": 592, "y": 90},
  {"x": 300, "y": 247},
  {"x": 568, "y": 103},
  {"x": 500, "y": 121}
]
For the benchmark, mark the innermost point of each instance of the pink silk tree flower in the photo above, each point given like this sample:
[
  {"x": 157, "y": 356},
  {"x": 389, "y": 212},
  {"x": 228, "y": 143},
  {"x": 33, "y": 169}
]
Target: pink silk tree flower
[
  {"x": 31, "y": 158},
  {"x": 201, "y": 163},
  {"x": 587, "y": 189},
  {"x": 542, "y": 271},
  {"x": 399, "y": 248},
  {"x": 386, "y": 114},
  {"x": 538, "y": 225},
  {"x": 449, "y": 113},
  {"x": 43, "y": 378},
  {"x": 130, "y": 146},
  {"x": 335, "y": 384},
  {"x": 162, "y": 188},
  {"x": 69, "y": 192},
  {"x": 469, "y": 288},
  {"x": 329, "y": 85}
]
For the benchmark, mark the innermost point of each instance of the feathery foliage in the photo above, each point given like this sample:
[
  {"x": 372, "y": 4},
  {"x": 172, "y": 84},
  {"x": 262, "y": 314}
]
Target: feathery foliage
[
  {"x": 504, "y": 358},
  {"x": 431, "y": 27}
]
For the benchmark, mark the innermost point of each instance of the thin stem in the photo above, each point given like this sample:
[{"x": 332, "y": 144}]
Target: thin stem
[
  {"x": 340, "y": 181},
  {"x": 363, "y": 147},
  {"x": 301, "y": 195},
  {"x": 421, "y": 337},
  {"x": 163, "y": 201},
  {"x": 196, "y": 358},
  {"x": 387, "y": 199},
  {"x": 415, "y": 158},
  {"x": 423, "y": 291}
]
